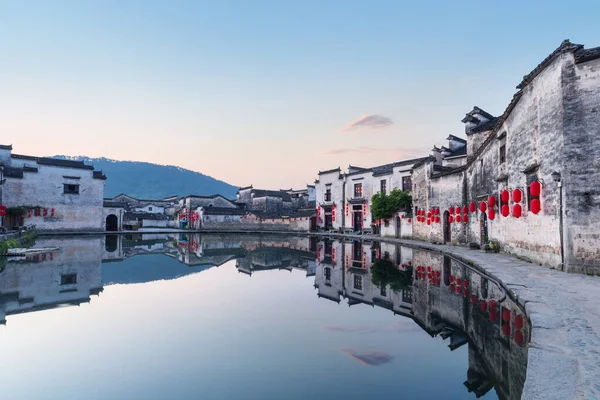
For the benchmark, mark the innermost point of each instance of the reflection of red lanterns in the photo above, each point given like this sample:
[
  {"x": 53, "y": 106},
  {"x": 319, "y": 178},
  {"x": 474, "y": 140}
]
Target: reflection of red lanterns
[
  {"x": 506, "y": 315},
  {"x": 517, "y": 195},
  {"x": 535, "y": 188},
  {"x": 458, "y": 281},
  {"x": 466, "y": 283},
  {"x": 451, "y": 279},
  {"x": 505, "y": 196},
  {"x": 493, "y": 316},
  {"x": 505, "y": 210},
  {"x": 517, "y": 210},
  {"x": 465, "y": 292},
  {"x": 492, "y": 201},
  {"x": 458, "y": 289},
  {"x": 437, "y": 274},
  {"x": 492, "y": 304},
  {"x": 518, "y": 322},
  {"x": 519, "y": 338},
  {"x": 451, "y": 210},
  {"x": 473, "y": 299},
  {"x": 535, "y": 206},
  {"x": 506, "y": 330},
  {"x": 451, "y": 287},
  {"x": 491, "y": 213},
  {"x": 482, "y": 206},
  {"x": 483, "y": 305},
  {"x": 472, "y": 207}
]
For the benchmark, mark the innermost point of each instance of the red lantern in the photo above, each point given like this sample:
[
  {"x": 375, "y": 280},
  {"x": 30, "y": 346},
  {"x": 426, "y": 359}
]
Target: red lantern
[
  {"x": 492, "y": 201},
  {"x": 458, "y": 209},
  {"x": 535, "y": 206},
  {"x": 451, "y": 210},
  {"x": 517, "y": 195},
  {"x": 466, "y": 283},
  {"x": 458, "y": 281},
  {"x": 402, "y": 216},
  {"x": 505, "y": 196},
  {"x": 506, "y": 315},
  {"x": 450, "y": 219},
  {"x": 493, "y": 316},
  {"x": 437, "y": 274},
  {"x": 505, "y": 210},
  {"x": 428, "y": 221},
  {"x": 483, "y": 305},
  {"x": 482, "y": 206},
  {"x": 437, "y": 211},
  {"x": 451, "y": 278},
  {"x": 519, "y": 338},
  {"x": 492, "y": 304},
  {"x": 458, "y": 289},
  {"x": 409, "y": 220},
  {"x": 465, "y": 210},
  {"x": 535, "y": 188},
  {"x": 451, "y": 287},
  {"x": 429, "y": 269},
  {"x": 472, "y": 207},
  {"x": 473, "y": 299},
  {"x": 465, "y": 292},
  {"x": 517, "y": 210},
  {"x": 506, "y": 330},
  {"x": 437, "y": 219},
  {"x": 458, "y": 218},
  {"x": 491, "y": 213},
  {"x": 518, "y": 322},
  {"x": 465, "y": 218},
  {"x": 428, "y": 214}
]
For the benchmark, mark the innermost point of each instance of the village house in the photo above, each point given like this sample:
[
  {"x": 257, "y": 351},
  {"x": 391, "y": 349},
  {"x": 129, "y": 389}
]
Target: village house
[
  {"x": 344, "y": 199},
  {"x": 528, "y": 179},
  {"x": 52, "y": 194}
]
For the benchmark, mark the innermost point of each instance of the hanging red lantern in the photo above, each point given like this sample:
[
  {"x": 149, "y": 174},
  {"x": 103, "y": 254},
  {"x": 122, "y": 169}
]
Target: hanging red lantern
[
  {"x": 535, "y": 188},
  {"x": 437, "y": 211},
  {"x": 457, "y": 217},
  {"x": 517, "y": 210},
  {"x": 491, "y": 213},
  {"x": 492, "y": 201},
  {"x": 535, "y": 206},
  {"x": 409, "y": 220},
  {"x": 428, "y": 214},
  {"x": 472, "y": 207},
  {"x": 465, "y": 210},
  {"x": 505, "y": 196},
  {"x": 518, "y": 322},
  {"x": 473, "y": 299},
  {"x": 465, "y": 218},
  {"x": 457, "y": 209},
  {"x": 506, "y": 330},
  {"x": 519, "y": 338},
  {"x": 506, "y": 315},
  {"x": 428, "y": 221},
  {"x": 493, "y": 316},
  {"x": 517, "y": 195},
  {"x": 451, "y": 210},
  {"x": 483, "y": 305},
  {"x": 505, "y": 210},
  {"x": 437, "y": 220},
  {"x": 450, "y": 219},
  {"x": 482, "y": 206}
]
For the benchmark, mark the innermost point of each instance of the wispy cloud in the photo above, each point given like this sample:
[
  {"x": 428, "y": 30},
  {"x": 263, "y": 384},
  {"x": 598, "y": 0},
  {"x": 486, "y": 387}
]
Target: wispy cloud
[
  {"x": 398, "y": 152},
  {"x": 369, "y": 357},
  {"x": 370, "y": 122}
]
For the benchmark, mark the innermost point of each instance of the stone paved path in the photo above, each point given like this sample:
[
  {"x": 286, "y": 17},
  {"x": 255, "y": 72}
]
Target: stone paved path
[{"x": 564, "y": 352}]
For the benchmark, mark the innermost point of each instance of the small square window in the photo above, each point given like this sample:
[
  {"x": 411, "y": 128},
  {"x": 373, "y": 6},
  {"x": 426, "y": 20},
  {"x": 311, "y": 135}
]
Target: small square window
[
  {"x": 68, "y": 279},
  {"x": 358, "y": 190},
  {"x": 149, "y": 208},
  {"x": 71, "y": 189},
  {"x": 358, "y": 282},
  {"x": 502, "y": 154}
]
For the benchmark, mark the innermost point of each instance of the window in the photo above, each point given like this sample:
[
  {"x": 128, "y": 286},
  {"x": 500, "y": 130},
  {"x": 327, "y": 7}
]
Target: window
[
  {"x": 502, "y": 154},
  {"x": 327, "y": 274},
  {"x": 149, "y": 208},
  {"x": 70, "y": 189},
  {"x": 406, "y": 184},
  {"x": 68, "y": 279},
  {"x": 386, "y": 255},
  {"x": 383, "y": 186},
  {"x": 382, "y": 291},
  {"x": 358, "y": 190},
  {"x": 358, "y": 282},
  {"x": 530, "y": 179},
  {"x": 328, "y": 193}
]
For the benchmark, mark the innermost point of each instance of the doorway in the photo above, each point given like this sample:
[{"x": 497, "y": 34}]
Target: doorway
[
  {"x": 358, "y": 221},
  {"x": 447, "y": 228},
  {"x": 112, "y": 223},
  {"x": 397, "y": 226},
  {"x": 483, "y": 229}
]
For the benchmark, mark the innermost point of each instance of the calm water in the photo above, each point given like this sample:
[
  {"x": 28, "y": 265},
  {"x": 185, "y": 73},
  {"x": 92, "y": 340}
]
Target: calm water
[{"x": 241, "y": 317}]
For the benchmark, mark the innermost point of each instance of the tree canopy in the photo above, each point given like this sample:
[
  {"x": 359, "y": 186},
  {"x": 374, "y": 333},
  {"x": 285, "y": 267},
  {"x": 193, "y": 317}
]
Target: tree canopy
[
  {"x": 384, "y": 206},
  {"x": 384, "y": 273}
]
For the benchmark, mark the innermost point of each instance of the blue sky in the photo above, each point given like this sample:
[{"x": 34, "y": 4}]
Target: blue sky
[{"x": 263, "y": 92}]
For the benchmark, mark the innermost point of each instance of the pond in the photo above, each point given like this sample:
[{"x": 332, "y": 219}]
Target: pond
[{"x": 254, "y": 317}]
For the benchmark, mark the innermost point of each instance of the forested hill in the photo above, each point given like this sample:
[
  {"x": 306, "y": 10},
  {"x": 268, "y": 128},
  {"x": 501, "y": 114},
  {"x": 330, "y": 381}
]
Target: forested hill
[{"x": 152, "y": 181}]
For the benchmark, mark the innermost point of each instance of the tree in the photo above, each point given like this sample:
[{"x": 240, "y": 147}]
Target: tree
[
  {"x": 384, "y": 273},
  {"x": 384, "y": 206}
]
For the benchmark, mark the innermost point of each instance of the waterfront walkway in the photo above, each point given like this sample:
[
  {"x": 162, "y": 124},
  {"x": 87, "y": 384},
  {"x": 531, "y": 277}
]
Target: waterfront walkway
[{"x": 564, "y": 309}]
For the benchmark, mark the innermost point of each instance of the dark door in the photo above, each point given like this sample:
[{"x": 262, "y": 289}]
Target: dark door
[
  {"x": 328, "y": 221},
  {"x": 397, "y": 227},
  {"x": 447, "y": 230},
  {"x": 313, "y": 224},
  {"x": 483, "y": 231},
  {"x": 112, "y": 223},
  {"x": 358, "y": 220}
]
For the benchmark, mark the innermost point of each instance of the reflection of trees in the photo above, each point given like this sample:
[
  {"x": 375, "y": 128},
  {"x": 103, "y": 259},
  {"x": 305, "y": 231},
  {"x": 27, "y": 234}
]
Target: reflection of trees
[{"x": 384, "y": 273}]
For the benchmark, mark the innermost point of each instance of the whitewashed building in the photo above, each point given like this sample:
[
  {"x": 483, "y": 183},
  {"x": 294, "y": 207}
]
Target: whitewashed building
[{"x": 52, "y": 194}]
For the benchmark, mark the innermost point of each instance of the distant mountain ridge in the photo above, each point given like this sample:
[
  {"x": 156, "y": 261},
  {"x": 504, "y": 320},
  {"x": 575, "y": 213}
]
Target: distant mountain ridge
[{"x": 153, "y": 181}]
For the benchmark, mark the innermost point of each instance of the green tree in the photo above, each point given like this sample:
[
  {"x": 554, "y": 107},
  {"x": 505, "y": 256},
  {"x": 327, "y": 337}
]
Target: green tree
[
  {"x": 384, "y": 273},
  {"x": 384, "y": 206}
]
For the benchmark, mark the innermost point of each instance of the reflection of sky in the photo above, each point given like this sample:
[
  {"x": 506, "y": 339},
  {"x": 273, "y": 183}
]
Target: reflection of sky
[{"x": 220, "y": 334}]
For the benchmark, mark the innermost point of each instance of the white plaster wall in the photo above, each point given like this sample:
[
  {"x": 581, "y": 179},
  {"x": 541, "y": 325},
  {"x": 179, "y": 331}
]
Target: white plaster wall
[
  {"x": 337, "y": 196},
  {"x": 152, "y": 209}
]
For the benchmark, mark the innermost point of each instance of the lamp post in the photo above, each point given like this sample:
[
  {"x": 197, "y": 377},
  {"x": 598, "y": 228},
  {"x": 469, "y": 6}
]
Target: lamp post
[{"x": 557, "y": 178}]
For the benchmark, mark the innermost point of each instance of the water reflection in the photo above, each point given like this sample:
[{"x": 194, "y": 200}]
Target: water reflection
[{"x": 443, "y": 297}]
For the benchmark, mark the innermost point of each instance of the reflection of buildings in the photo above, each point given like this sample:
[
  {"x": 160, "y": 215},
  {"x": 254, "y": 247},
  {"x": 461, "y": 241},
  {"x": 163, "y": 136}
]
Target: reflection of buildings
[
  {"x": 69, "y": 276},
  {"x": 456, "y": 303}
]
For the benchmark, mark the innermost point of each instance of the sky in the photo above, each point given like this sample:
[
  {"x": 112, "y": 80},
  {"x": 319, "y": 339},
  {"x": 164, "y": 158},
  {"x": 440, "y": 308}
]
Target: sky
[{"x": 266, "y": 92}]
